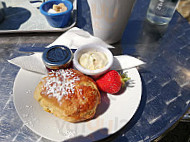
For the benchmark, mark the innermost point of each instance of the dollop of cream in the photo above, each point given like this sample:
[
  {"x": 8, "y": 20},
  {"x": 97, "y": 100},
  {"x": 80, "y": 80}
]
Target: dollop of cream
[
  {"x": 58, "y": 8},
  {"x": 93, "y": 60}
]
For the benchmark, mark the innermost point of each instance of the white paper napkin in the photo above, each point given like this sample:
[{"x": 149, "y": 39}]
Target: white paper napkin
[
  {"x": 123, "y": 62},
  {"x": 74, "y": 38},
  {"x": 31, "y": 63}
]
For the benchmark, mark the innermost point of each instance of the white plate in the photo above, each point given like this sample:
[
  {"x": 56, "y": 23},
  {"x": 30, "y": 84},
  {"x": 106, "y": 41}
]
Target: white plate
[{"x": 112, "y": 114}]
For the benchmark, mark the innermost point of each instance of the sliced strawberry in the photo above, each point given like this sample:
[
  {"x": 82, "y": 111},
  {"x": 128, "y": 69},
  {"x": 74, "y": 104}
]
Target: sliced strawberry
[{"x": 111, "y": 82}]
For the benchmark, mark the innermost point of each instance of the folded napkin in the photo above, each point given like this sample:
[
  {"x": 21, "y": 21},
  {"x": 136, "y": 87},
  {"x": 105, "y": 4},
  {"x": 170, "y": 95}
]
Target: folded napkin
[{"x": 74, "y": 38}]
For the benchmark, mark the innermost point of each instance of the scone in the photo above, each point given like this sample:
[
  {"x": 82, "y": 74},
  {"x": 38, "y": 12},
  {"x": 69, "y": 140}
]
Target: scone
[{"x": 68, "y": 94}]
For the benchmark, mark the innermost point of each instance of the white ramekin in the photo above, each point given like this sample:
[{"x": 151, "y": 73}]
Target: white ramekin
[{"x": 92, "y": 47}]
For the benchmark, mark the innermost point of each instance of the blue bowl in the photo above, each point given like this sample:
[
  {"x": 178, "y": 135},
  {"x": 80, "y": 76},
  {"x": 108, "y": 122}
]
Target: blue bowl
[{"x": 57, "y": 20}]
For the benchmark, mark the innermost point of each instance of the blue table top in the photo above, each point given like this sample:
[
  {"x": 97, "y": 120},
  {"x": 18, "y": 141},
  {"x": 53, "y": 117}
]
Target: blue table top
[{"x": 165, "y": 77}]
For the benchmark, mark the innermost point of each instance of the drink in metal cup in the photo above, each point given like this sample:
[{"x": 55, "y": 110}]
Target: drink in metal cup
[{"x": 161, "y": 11}]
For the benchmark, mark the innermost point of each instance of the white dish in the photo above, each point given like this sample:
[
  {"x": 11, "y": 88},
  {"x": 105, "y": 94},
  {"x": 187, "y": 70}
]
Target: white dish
[
  {"x": 113, "y": 113},
  {"x": 95, "y": 48}
]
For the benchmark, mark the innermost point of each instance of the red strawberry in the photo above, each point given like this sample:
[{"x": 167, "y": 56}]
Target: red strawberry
[{"x": 111, "y": 82}]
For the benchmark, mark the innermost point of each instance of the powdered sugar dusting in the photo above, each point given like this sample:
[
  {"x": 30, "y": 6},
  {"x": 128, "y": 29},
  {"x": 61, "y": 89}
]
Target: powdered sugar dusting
[{"x": 60, "y": 83}]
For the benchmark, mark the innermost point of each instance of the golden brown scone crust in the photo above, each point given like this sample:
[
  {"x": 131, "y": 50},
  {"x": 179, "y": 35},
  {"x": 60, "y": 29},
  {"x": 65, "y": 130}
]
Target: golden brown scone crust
[{"x": 73, "y": 96}]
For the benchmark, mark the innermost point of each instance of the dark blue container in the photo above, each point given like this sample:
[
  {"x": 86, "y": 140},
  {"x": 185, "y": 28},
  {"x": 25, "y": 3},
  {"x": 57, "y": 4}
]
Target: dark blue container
[
  {"x": 57, "y": 57},
  {"x": 57, "y": 20}
]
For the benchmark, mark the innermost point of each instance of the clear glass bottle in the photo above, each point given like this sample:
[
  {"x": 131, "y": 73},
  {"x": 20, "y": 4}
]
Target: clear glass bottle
[{"x": 161, "y": 11}]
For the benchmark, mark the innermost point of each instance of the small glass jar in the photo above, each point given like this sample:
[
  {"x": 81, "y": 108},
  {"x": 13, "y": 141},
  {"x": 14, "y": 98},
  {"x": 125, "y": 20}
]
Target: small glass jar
[{"x": 57, "y": 57}]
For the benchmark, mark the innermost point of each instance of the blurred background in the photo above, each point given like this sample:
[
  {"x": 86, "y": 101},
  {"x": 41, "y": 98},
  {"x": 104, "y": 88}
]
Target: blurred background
[{"x": 184, "y": 9}]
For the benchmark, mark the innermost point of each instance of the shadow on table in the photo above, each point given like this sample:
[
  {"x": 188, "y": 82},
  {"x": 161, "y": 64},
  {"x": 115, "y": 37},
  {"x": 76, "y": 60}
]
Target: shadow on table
[
  {"x": 84, "y": 17},
  {"x": 144, "y": 40},
  {"x": 14, "y": 18}
]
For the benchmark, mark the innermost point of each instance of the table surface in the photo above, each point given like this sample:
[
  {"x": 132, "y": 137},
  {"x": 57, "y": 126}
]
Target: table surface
[{"x": 165, "y": 77}]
